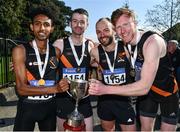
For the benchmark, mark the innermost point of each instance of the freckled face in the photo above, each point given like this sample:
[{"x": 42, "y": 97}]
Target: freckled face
[{"x": 125, "y": 28}]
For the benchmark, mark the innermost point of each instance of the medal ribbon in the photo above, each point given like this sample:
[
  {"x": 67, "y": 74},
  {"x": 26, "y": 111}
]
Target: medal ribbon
[
  {"x": 111, "y": 66},
  {"x": 134, "y": 55},
  {"x": 41, "y": 69},
  {"x": 79, "y": 61}
]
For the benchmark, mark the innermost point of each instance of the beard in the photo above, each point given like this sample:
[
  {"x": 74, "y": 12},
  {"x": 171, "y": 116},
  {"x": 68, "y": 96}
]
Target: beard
[{"x": 110, "y": 40}]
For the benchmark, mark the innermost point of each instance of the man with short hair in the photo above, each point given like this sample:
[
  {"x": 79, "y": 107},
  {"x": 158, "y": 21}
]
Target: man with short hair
[
  {"x": 35, "y": 65},
  {"x": 111, "y": 58},
  {"x": 75, "y": 63},
  {"x": 174, "y": 54}
]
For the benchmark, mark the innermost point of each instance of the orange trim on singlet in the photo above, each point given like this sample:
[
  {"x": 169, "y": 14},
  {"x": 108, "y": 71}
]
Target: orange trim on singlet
[
  {"x": 175, "y": 86},
  {"x": 162, "y": 92},
  {"x": 66, "y": 63},
  {"x": 29, "y": 76}
]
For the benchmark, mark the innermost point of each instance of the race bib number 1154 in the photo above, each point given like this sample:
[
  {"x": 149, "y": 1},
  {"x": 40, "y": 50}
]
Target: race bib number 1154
[{"x": 117, "y": 77}]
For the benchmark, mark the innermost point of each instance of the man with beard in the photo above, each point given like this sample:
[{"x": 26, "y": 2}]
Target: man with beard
[
  {"x": 35, "y": 66},
  {"x": 111, "y": 58},
  {"x": 153, "y": 73},
  {"x": 75, "y": 60}
]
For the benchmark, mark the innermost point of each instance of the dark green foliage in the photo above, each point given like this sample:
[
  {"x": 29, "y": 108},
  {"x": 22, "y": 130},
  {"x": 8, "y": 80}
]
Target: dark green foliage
[
  {"x": 15, "y": 19},
  {"x": 11, "y": 16}
]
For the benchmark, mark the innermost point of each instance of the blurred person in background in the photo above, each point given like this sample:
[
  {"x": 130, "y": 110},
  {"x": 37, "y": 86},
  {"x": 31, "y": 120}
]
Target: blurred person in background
[{"x": 174, "y": 53}]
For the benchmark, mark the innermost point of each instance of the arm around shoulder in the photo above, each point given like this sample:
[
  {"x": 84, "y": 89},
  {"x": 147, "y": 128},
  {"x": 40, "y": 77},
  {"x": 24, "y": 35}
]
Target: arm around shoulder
[
  {"x": 152, "y": 51},
  {"x": 59, "y": 43}
]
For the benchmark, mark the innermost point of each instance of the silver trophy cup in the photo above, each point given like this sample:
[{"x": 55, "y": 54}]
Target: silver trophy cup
[{"x": 78, "y": 90}]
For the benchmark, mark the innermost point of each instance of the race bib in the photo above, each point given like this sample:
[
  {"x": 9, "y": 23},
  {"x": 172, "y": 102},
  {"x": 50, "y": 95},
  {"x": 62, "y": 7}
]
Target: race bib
[
  {"x": 41, "y": 97},
  {"x": 74, "y": 73},
  {"x": 47, "y": 82},
  {"x": 114, "y": 78}
]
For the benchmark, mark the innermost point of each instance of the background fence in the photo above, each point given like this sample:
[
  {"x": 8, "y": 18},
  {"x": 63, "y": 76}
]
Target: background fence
[{"x": 6, "y": 74}]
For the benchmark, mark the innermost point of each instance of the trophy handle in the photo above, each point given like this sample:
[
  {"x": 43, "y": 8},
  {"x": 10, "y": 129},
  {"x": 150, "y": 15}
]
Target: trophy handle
[
  {"x": 69, "y": 81},
  {"x": 82, "y": 97},
  {"x": 85, "y": 96},
  {"x": 88, "y": 93},
  {"x": 68, "y": 93}
]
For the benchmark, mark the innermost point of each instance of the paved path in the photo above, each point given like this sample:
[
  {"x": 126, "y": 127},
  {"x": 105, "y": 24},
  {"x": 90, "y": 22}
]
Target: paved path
[
  {"x": 7, "y": 114},
  {"x": 8, "y": 111}
]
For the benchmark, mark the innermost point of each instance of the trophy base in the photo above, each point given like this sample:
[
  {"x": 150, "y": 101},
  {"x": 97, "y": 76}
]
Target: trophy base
[
  {"x": 67, "y": 127},
  {"x": 75, "y": 122}
]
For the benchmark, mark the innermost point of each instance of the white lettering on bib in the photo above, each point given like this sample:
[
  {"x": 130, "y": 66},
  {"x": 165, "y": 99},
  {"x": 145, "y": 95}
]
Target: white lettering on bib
[{"x": 72, "y": 74}]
